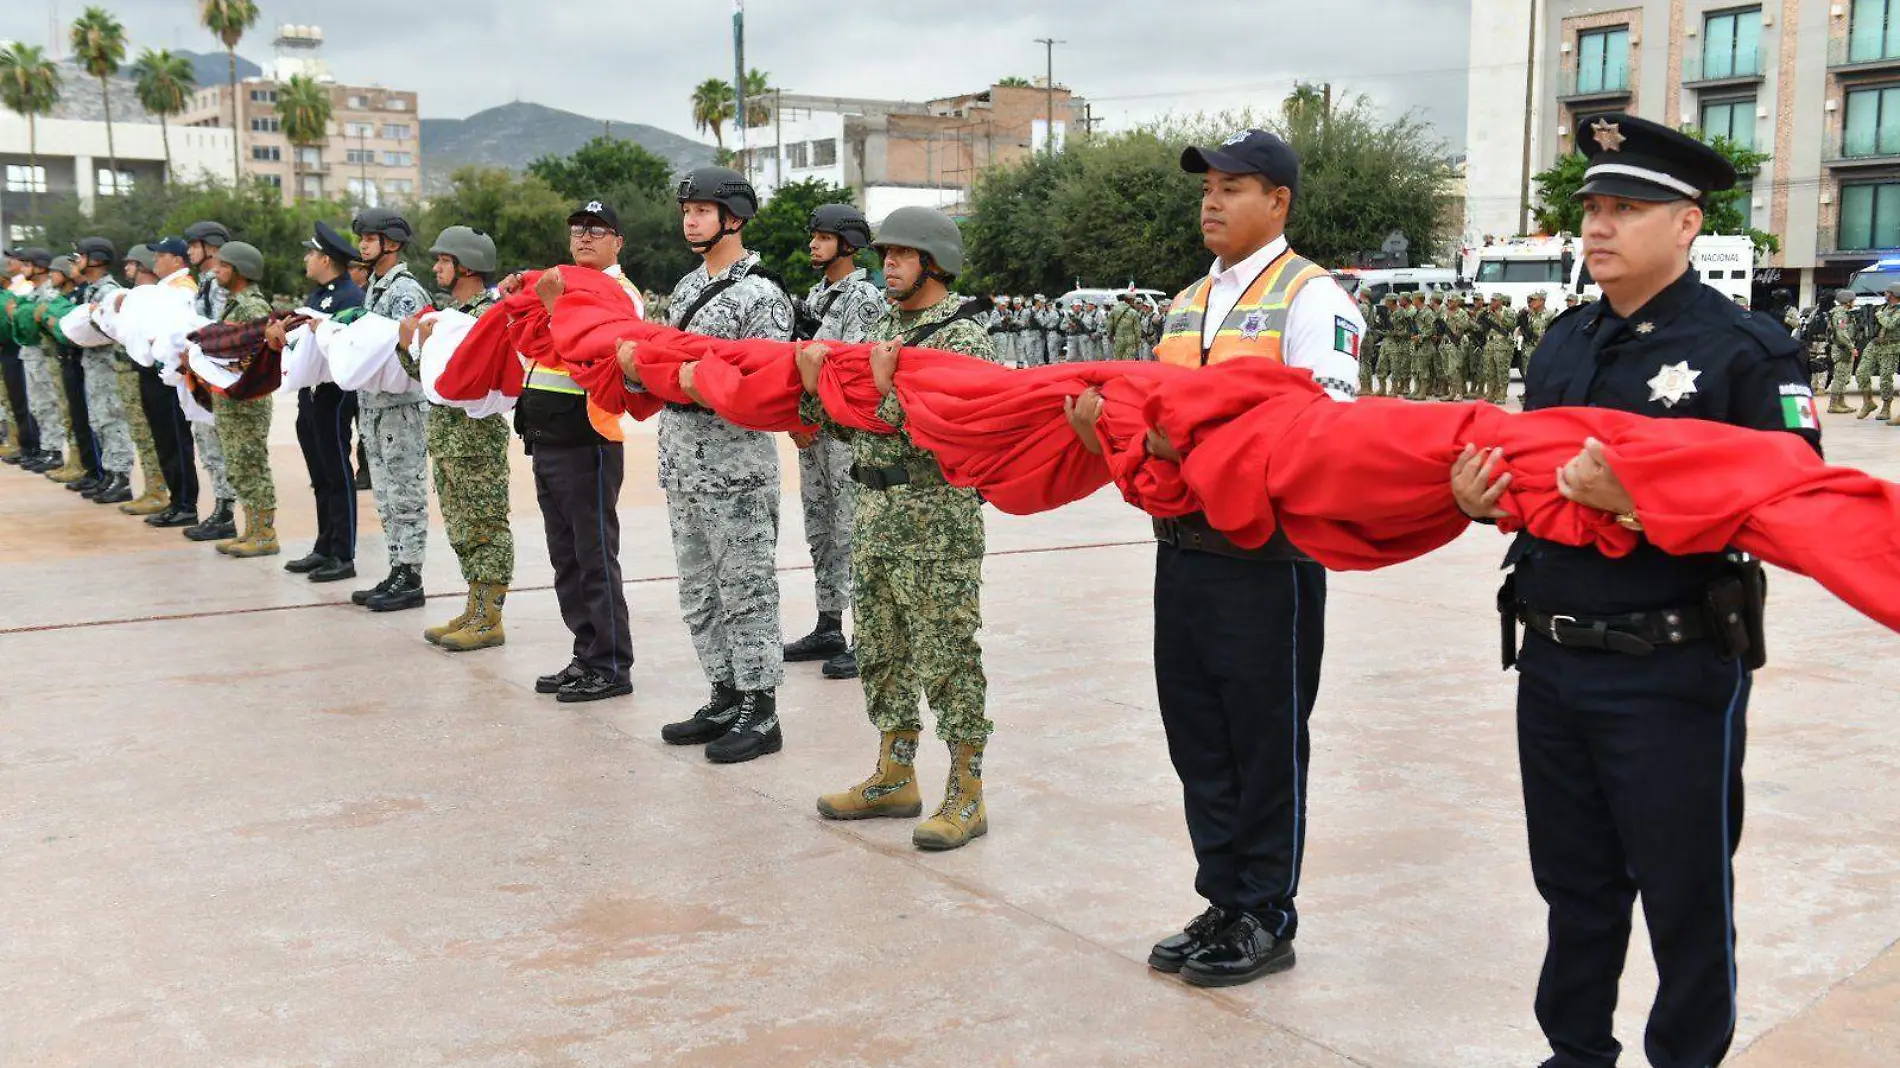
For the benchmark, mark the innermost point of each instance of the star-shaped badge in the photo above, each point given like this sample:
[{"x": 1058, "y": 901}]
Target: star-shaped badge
[
  {"x": 1645, "y": 328},
  {"x": 1608, "y": 134},
  {"x": 1674, "y": 382}
]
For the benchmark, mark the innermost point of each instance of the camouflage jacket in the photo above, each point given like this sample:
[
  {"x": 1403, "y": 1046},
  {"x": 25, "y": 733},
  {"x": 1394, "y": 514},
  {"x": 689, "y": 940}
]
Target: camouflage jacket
[
  {"x": 1535, "y": 323},
  {"x": 451, "y": 431},
  {"x": 1840, "y": 329},
  {"x": 698, "y": 451},
  {"x": 846, "y": 308},
  {"x": 1887, "y": 325},
  {"x": 1457, "y": 325},
  {"x": 249, "y": 305},
  {"x": 926, "y": 518},
  {"x": 395, "y": 295}
]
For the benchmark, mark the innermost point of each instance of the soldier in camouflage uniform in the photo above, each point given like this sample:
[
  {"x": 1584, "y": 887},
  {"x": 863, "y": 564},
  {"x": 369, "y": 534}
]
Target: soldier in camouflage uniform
[
  {"x": 1124, "y": 329},
  {"x": 244, "y": 425},
  {"x": 392, "y": 425},
  {"x": 1048, "y": 320},
  {"x": 154, "y": 496},
  {"x": 471, "y": 460},
  {"x": 918, "y": 560},
  {"x": 1391, "y": 355},
  {"x": 1499, "y": 329},
  {"x": 1844, "y": 341},
  {"x": 46, "y": 401},
  {"x": 844, "y": 304},
  {"x": 203, "y": 240},
  {"x": 1425, "y": 356},
  {"x": 1882, "y": 357},
  {"x": 1532, "y": 325},
  {"x": 104, "y": 399},
  {"x": 1451, "y": 351},
  {"x": 721, "y": 484}
]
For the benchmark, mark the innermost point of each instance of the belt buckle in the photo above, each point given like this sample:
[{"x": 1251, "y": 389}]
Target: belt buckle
[{"x": 1555, "y": 622}]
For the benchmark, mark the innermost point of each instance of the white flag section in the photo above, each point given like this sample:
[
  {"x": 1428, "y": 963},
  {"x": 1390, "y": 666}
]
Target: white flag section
[
  {"x": 362, "y": 355},
  {"x": 77, "y": 326},
  {"x": 217, "y": 374},
  {"x": 304, "y": 363},
  {"x": 151, "y": 322},
  {"x": 451, "y": 327}
]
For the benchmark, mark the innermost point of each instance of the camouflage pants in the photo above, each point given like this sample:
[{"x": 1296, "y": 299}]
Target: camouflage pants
[
  {"x": 1843, "y": 372},
  {"x": 46, "y": 397},
  {"x": 211, "y": 454},
  {"x": 1497, "y": 372},
  {"x": 244, "y": 433},
  {"x": 1391, "y": 366},
  {"x": 830, "y": 497},
  {"x": 399, "y": 473},
  {"x": 1451, "y": 369},
  {"x": 472, "y": 488},
  {"x": 1365, "y": 370},
  {"x": 1474, "y": 371},
  {"x": 1425, "y": 369},
  {"x": 1878, "y": 364},
  {"x": 725, "y": 546},
  {"x": 127, "y": 374},
  {"x": 917, "y": 624},
  {"x": 106, "y": 408}
]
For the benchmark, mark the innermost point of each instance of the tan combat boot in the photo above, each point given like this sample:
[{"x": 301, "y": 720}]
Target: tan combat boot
[
  {"x": 434, "y": 635},
  {"x": 1866, "y": 406},
  {"x": 961, "y": 816},
  {"x": 482, "y": 629},
  {"x": 1838, "y": 406},
  {"x": 262, "y": 539},
  {"x": 155, "y": 500},
  {"x": 890, "y": 791},
  {"x": 1885, "y": 414},
  {"x": 70, "y": 471},
  {"x": 9, "y": 450},
  {"x": 250, "y": 526}
]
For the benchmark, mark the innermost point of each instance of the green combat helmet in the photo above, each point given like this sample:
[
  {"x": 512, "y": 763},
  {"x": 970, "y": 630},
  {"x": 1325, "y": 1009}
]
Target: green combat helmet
[
  {"x": 244, "y": 259},
  {"x": 474, "y": 250},
  {"x": 927, "y": 230}
]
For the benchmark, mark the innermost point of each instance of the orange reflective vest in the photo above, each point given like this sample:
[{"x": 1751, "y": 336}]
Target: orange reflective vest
[
  {"x": 1253, "y": 328},
  {"x": 557, "y": 380}
]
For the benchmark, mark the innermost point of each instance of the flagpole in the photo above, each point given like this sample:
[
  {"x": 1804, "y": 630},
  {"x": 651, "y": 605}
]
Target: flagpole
[{"x": 738, "y": 82}]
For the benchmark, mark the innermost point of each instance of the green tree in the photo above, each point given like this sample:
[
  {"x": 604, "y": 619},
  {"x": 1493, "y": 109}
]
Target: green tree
[
  {"x": 1123, "y": 211},
  {"x": 29, "y": 86},
  {"x": 1305, "y": 101},
  {"x": 227, "y": 20},
  {"x": 303, "y": 111},
  {"x": 779, "y": 235},
  {"x": 713, "y": 107},
  {"x": 1010, "y": 242},
  {"x": 601, "y": 164},
  {"x": 758, "y": 86},
  {"x": 1015, "y": 81},
  {"x": 1559, "y": 211},
  {"x": 165, "y": 84},
  {"x": 527, "y": 218},
  {"x": 99, "y": 44}
]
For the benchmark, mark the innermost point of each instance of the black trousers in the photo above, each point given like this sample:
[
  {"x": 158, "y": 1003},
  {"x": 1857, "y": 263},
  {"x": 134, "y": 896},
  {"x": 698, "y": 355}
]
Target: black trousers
[
  {"x": 72, "y": 378},
  {"x": 171, "y": 437},
  {"x": 13, "y": 377},
  {"x": 579, "y": 490},
  {"x": 1237, "y": 657},
  {"x": 324, "y": 415},
  {"x": 1633, "y": 786}
]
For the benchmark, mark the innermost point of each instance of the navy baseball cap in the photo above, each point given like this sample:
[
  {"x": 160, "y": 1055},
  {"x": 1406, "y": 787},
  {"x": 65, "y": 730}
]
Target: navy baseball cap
[
  {"x": 1637, "y": 159},
  {"x": 598, "y": 211},
  {"x": 1248, "y": 152},
  {"x": 171, "y": 246}
]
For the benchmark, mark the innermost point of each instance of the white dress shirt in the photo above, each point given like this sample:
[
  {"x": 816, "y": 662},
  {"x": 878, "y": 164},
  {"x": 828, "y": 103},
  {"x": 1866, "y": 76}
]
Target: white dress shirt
[{"x": 1323, "y": 327}]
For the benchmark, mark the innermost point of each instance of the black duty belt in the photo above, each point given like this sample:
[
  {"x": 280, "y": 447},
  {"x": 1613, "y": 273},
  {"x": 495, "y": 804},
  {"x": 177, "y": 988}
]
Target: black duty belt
[
  {"x": 1635, "y": 633},
  {"x": 883, "y": 478},
  {"x": 1194, "y": 533},
  {"x": 675, "y": 406}
]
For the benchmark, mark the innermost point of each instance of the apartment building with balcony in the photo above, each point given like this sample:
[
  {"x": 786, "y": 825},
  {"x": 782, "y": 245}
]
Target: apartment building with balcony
[{"x": 1815, "y": 84}]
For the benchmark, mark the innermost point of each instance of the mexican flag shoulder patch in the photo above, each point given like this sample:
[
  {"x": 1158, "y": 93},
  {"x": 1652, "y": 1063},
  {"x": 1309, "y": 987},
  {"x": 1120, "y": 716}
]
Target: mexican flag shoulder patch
[
  {"x": 1798, "y": 408},
  {"x": 1345, "y": 336}
]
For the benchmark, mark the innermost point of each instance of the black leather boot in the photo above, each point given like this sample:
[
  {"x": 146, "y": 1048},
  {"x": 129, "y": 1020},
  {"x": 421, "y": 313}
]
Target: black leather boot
[
  {"x": 754, "y": 734},
  {"x": 824, "y": 642},
  {"x": 303, "y": 565},
  {"x": 85, "y": 485},
  {"x": 1243, "y": 952},
  {"x": 1173, "y": 951},
  {"x": 842, "y": 666},
  {"x": 334, "y": 571},
  {"x": 363, "y": 596},
  {"x": 218, "y": 526},
  {"x": 713, "y": 719},
  {"x": 117, "y": 490},
  {"x": 404, "y": 592},
  {"x": 175, "y": 516}
]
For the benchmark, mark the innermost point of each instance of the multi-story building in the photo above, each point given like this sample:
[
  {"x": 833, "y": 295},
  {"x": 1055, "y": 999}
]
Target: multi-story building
[
  {"x": 1815, "y": 84},
  {"x": 371, "y": 153},
  {"x": 895, "y": 153},
  {"x": 73, "y": 157}
]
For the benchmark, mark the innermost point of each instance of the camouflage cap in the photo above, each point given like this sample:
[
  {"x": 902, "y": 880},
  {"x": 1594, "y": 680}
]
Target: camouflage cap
[
  {"x": 1507, "y": 299},
  {"x": 1390, "y": 298},
  {"x": 1540, "y": 295},
  {"x": 1894, "y": 290}
]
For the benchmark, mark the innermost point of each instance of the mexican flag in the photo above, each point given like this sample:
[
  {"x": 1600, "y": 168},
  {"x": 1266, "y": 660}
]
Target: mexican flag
[{"x": 1800, "y": 412}]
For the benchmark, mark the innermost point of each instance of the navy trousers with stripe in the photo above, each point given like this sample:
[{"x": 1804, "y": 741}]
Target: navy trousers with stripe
[
  {"x": 325, "y": 414},
  {"x": 1632, "y": 773},
  {"x": 579, "y": 490},
  {"x": 1237, "y": 651}
]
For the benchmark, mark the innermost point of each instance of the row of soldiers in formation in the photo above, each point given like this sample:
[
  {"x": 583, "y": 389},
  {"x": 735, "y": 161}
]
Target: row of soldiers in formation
[
  {"x": 1033, "y": 331},
  {"x": 1431, "y": 346},
  {"x": 1863, "y": 350}
]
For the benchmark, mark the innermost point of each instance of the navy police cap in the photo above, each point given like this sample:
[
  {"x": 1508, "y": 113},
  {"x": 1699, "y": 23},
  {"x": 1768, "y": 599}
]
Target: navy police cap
[
  {"x": 171, "y": 246},
  {"x": 1637, "y": 159},
  {"x": 333, "y": 244},
  {"x": 1248, "y": 152}
]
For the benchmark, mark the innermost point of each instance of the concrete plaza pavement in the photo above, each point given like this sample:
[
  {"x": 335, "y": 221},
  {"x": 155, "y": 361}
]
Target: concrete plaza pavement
[{"x": 245, "y": 823}]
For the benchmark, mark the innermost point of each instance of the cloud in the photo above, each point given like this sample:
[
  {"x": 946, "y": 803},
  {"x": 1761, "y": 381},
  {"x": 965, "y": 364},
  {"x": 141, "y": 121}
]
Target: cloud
[{"x": 637, "y": 62}]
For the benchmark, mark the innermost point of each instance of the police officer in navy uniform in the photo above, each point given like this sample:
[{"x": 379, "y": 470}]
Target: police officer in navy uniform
[
  {"x": 325, "y": 414},
  {"x": 1634, "y": 673}
]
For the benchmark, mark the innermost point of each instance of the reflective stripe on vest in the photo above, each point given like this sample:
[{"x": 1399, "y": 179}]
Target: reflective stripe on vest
[
  {"x": 551, "y": 380},
  {"x": 1253, "y": 328}
]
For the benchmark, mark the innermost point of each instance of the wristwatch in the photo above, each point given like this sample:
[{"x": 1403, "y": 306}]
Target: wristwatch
[{"x": 1630, "y": 521}]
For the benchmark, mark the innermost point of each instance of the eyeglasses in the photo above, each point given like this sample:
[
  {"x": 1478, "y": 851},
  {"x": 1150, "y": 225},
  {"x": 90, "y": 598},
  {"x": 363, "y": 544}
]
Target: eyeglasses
[{"x": 578, "y": 232}]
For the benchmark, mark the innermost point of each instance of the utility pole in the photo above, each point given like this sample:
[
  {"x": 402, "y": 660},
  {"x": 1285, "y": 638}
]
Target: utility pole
[
  {"x": 1530, "y": 97},
  {"x": 778, "y": 133},
  {"x": 1049, "y": 78},
  {"x": 738, "y": 81}
]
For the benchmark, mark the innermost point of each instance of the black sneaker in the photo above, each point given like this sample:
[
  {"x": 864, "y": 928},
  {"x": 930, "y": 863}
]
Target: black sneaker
[
  {"x": 553, "y": 683},
  {"x": 713, "y": 719},
  {"x": 592, "y": 687},
  {"x": 303, "y": 565},
  {"x": 1240, "y": 954},
  {"x": 842, "y": 666},
  {"x": 754, "y": 734},
  {"x": 1173, "y": 951}
]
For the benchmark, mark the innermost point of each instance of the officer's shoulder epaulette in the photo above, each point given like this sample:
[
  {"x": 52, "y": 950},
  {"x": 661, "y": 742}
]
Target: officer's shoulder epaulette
[
  {"x": 1567, "y": 313},
  {"x": 1766, "y": 332}
]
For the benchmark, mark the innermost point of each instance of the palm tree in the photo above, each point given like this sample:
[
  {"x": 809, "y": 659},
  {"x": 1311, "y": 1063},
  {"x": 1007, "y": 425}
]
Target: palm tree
[
  {"x": 99, "y": 45},
  {"x": 712, "y": 106},
  {"x": 1306, "y": 100},
  {"x": 758, "y": 86},
  {"x": 227, "y": 20},
  {"x": 303, "y": 110},
  {"x": 1014, "y": 81},
  {"x": 164, "y": 82},
  {"x": 29, "y": 86}
]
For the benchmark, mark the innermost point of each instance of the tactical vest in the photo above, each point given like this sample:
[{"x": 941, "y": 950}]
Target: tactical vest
[{"x": 1255, "y": 326}]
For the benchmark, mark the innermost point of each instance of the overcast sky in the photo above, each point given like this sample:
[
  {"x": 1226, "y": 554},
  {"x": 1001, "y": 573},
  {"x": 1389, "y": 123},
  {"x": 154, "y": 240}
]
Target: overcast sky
[{"x": 638, "y": 60}]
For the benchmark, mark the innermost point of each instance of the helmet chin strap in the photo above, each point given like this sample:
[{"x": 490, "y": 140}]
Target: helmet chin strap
[{"x": 725, "y": 231}]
